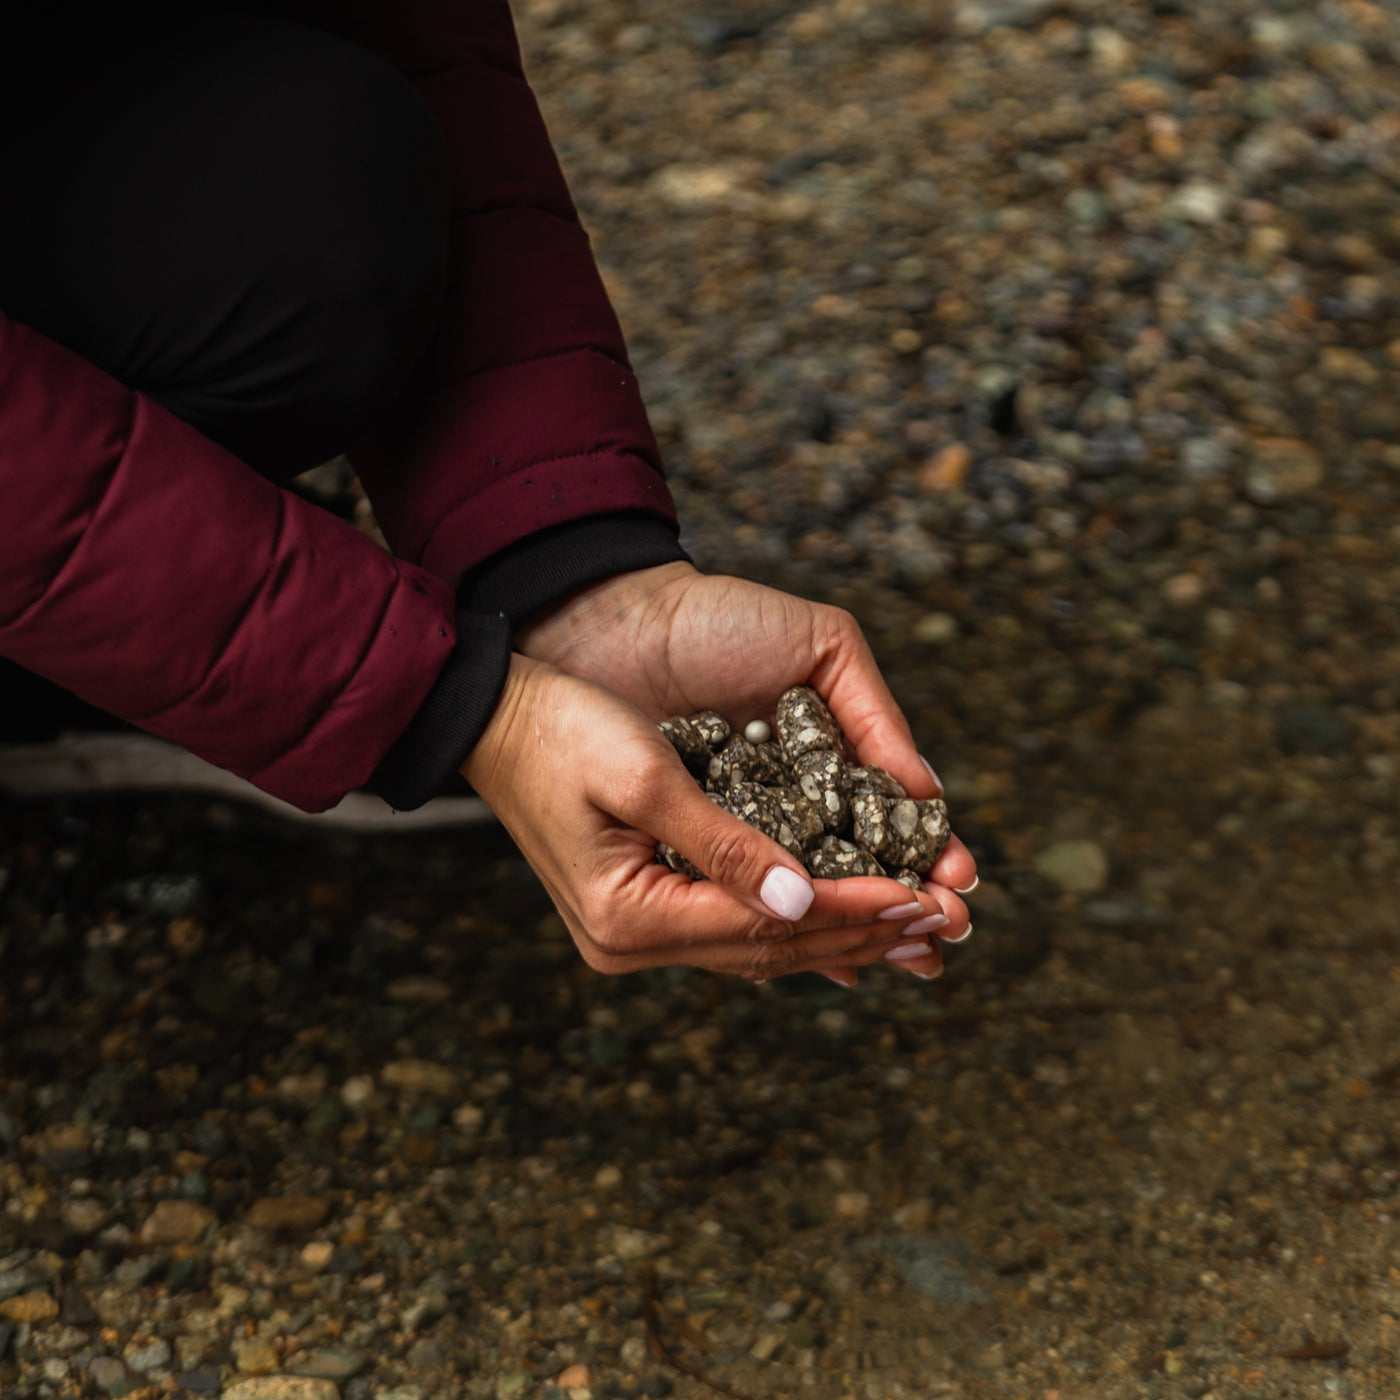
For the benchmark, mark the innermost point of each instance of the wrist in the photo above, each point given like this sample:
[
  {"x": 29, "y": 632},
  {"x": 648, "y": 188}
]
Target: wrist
[
  {"x": 491, "y": 753},
  {"x": 626, "y": 600}
]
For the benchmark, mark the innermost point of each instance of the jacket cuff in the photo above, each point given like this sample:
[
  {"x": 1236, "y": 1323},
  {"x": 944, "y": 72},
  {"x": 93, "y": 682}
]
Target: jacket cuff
[
  {"x": 452, "y": 717},
  {"x": 546, "y": 567}
]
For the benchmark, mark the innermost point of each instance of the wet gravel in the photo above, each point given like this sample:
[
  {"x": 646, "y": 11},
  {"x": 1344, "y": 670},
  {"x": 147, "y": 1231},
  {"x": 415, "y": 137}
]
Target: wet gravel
[{"x": 1061, "y": 343}]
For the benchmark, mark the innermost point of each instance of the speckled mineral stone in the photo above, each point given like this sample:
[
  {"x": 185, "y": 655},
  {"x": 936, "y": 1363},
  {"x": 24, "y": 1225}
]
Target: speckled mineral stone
[
  {"x": 742, "y": 762},
  {"x": 688, "y": 742},
  {"x": 918, "y": 833},
  {"x": 805, "y": 724},
  {"x": 870, "y": 827},
  {"x": 670, "y": 856},
  {"x": 772, "y": 766},
  {"x": 822, "y": 779},
  {"x": 801, "y": 793},
  {"x": 712, "y": 727},
  {"x": 835, "y": 859},
  {"x": 802, "y": 815},
  {"x": 760, "y": 807},
  {"x": 873, "y": 778}
]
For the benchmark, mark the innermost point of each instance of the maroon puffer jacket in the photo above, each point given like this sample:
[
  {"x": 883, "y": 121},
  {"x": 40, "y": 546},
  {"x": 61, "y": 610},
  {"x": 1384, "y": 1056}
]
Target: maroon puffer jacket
[{"x": 155, "y": 575}]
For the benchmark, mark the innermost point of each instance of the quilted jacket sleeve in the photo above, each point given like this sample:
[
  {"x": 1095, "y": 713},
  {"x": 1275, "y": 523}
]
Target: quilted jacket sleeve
[
  {"x": 153, "y": 574},
  {"x": 530, "y": 416}
]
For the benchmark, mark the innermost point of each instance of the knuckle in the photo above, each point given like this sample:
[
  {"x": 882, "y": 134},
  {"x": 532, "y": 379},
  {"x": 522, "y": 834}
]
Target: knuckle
[
  {"x": 841, "y": 624},
  {"x": 642, "y": 782},
  {"x": 606, "y": 963},
  {"x": 768, "y": 960},
  {"x": 731, "y": 855},
  {"x": 609, "y": 937}
]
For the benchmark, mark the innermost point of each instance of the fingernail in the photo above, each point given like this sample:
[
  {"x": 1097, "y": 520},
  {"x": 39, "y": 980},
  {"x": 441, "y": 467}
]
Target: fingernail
[
  {"x": 961, "y": 938},
  {"x": 903, "y": 911},
  {"x": 976, "y": 880},
  {"x": 913, "y": 950},
  {"x": 786, "y": 893},
  {"x": 840, "y": 981},
  {"x": 937, "y": 781},
  {"x": 927, "y": 976},
  {"x": 932, "y": 924}
]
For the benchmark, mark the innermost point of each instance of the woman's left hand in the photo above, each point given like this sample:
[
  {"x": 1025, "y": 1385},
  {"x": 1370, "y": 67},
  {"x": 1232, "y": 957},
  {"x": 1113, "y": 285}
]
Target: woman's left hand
[{"x": 671, "y": 641}]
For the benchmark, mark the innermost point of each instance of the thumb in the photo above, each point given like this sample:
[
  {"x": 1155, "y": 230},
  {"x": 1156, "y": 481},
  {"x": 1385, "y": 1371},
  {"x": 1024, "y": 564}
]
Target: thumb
[{"x": 739, "y": 858}]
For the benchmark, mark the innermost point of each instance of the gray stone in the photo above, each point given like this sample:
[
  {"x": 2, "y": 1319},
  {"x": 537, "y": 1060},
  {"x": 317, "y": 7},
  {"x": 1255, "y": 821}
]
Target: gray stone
[
  {"x": 974, "y": 17},
  {"x": 933, "y": 1268},
  {"x": 1281, "y": 469},
  {"x": 1076, "y": 867},
  {"x": 109, "y": 1374},
  {"x": 337, "y": 1364},
  {"x": 151, "y": 1357}
]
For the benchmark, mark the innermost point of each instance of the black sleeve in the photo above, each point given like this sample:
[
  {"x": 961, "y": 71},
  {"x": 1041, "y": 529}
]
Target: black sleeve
[
  {"x": 544, "y": 568},
  {"x": 532, "y": 574}
]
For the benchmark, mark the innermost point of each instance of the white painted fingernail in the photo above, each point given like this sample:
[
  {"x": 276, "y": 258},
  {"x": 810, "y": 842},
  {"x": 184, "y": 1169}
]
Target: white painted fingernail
[
  {"x": 932, "y": 924},
  {"x": 976, "y": 880},
  {"x": 927, "y": 976},
  {"x": 914, "y": 950},
  {"x": 937, "y": 781},
  {"x": 840, "y": 981},
  {"x": 786, "y": 893},
  {"x": 902, "y": 911},
  {"x": 962, "y": 937}
]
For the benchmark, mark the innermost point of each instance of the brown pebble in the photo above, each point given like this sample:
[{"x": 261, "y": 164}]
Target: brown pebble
[
  {"x": 946, "y": 470},
  {"x": 290, "y": 1213},
  {"x": 282, "y": 1388},
  {"x": 33, "y": 1307},
  {"x": 176, "y": 1222}
]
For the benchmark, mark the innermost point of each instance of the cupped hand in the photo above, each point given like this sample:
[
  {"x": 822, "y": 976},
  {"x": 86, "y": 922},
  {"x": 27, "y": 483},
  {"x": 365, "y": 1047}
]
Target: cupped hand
[
  {"x": 586, "y": 784},
  {"x": 672, "y": 641}
]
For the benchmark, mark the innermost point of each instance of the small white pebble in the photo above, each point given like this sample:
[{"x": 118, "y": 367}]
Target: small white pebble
[{"x": 756, "y": 731}]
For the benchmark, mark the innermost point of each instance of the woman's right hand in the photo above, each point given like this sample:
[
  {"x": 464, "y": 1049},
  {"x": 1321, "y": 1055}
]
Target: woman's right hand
[{"x": 586, "y": 785}]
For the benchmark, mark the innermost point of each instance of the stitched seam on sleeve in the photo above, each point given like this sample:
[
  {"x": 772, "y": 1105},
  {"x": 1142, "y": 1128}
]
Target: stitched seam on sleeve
[
  {"x": 542, "y": 358},
  {"x": 349, "y": 678},
  {"x": 583, "y": 454},
  {"x": 36, "y": 603},
  {"x": 232, "y": 632}
]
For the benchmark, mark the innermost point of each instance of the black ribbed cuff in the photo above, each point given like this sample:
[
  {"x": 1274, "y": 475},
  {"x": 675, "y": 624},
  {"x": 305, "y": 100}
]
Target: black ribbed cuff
[
  {"x": 546, "y": 567},
  {"x": 452, "y": 718}
]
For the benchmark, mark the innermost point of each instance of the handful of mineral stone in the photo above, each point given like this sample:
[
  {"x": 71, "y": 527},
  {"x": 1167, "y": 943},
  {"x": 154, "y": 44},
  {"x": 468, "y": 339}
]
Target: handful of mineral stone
[{"x": 837, "y": 818}]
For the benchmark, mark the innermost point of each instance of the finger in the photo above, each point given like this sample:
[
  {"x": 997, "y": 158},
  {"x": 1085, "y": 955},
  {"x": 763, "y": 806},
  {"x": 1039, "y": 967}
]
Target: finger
[
  {"x": 955, "y": 868},
  {"x": 829, "y": 949},
  {"x": 847, "y": 676},
  {"x": 959, "y": 925},
  {"x": 922, "y": 958},
  {"x": 660, "y": 798},
  {"x": 878, "y": 913}
]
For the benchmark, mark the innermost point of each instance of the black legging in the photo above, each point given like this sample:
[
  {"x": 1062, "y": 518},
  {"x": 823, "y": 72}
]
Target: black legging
[{"x": 245, "y": 219}]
